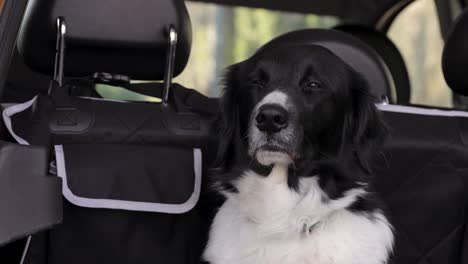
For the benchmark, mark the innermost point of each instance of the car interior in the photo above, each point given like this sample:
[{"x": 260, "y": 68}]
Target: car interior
[{"x": 87, "y": 179}]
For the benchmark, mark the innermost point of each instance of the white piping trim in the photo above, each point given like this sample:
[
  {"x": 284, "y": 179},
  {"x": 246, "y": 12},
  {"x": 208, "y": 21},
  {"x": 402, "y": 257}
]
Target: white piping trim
[
  {"x": 130, "y": 205},
  {"x": 12, "y": 110},
  {"x": 156, "y": 100},
  {"x": 421, "y": 111}
]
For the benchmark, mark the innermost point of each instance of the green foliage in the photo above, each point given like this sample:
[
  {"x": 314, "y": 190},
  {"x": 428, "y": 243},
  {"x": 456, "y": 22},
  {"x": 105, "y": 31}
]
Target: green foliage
[
  {"x": 118, "y": 93},
  {"x": 255, "y": 27}
]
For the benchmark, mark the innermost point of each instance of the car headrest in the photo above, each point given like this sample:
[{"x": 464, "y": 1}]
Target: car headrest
[
  {"x": 114, "y": 36},
  {"x": 455, "y": 56},
  {"x": 389, "y": 53},
  {"x": 353, "y": 51}
]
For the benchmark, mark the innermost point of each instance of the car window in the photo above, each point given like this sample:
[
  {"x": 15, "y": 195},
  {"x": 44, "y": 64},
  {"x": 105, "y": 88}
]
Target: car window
[{"x": 417, "y": 34}]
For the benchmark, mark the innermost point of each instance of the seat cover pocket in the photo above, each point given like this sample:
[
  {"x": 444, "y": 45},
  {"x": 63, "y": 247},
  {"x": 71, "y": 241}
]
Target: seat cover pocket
[{"x": 148, "y": 178}]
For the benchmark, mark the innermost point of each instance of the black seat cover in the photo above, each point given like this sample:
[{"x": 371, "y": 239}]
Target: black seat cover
[
  {"x": 106, "y": 36},
  {"x": 389, "y": 53}
]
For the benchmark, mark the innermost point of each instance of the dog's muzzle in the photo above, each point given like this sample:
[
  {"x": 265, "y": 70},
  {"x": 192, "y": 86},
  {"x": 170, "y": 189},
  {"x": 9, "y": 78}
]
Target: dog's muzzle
[{"x": 272, "y": 134}]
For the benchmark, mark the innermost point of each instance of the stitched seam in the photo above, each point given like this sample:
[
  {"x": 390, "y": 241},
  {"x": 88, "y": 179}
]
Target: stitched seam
[
  {"x": 134, "y": 131},
  {"x": 415, "y": 248},
  {"x": 444, "y": 239}
]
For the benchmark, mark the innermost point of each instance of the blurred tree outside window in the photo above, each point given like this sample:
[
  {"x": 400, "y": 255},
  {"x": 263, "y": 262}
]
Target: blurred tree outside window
[
  {"x": 416, "y": 33},
  {"x": 2, "y": 3}
]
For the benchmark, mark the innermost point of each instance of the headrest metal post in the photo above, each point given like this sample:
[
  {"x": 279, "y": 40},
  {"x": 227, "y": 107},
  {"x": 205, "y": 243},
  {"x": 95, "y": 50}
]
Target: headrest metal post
[
  {"x": 170, "y": 60},
  {"x": 59, "y": 51}
]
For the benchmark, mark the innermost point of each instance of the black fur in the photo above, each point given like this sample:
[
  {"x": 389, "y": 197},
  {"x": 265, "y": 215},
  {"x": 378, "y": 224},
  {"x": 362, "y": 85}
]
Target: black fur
[{"x": 340, "y": 127}]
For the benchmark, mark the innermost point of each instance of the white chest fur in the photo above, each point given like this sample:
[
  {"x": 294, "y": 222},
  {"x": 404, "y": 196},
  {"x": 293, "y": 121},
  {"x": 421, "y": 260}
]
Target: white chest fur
[{"x": 268, "y": 223}]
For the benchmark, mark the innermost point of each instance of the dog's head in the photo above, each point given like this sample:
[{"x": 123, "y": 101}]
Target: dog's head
[{"x": 291, "y": 104}]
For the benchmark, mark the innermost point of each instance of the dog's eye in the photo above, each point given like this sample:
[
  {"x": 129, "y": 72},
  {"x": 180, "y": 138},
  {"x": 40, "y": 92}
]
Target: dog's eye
[
  {"x": 311, "y": 87},
  {"x": 257, "y": 84}
]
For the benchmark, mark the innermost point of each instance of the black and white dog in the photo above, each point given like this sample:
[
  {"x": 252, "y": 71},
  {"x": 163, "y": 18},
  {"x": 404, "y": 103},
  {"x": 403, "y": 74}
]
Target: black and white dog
[{"x": 297, "y": 128}]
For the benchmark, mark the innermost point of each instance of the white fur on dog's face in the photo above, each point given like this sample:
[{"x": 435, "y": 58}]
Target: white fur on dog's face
[
  {"x": 278, "y": 148},
  {"x": 266, "y": 157}
]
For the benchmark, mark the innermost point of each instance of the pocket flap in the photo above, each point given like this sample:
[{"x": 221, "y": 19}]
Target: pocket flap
[{"x": 149, "y": 178}]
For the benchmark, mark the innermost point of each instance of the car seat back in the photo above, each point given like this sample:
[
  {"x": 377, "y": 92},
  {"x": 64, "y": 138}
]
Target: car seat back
[{"x": 389, "y": 54}]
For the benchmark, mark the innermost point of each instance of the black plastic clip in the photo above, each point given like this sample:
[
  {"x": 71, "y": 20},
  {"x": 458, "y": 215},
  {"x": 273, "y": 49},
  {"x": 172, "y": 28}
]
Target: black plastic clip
[{"x": 111, "y": 79}]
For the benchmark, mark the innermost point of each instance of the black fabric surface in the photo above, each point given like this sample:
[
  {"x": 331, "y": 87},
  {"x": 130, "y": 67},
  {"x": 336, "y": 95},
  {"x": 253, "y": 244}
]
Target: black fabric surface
[
  {"x": 123, "y": 151},
  {"x": 97, "y": 121},
  {"x": 133, "y": 173},
  {"x": 423, "y": 177},
  {"x": 422, "y": 174},
  {"x": 32, "y": 124},
  {"x": 29, "y": 198},
  {"x": 114, "y": 236}
]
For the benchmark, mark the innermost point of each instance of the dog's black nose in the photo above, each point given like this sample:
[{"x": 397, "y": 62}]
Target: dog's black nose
[{"x": 271, "y": 118}]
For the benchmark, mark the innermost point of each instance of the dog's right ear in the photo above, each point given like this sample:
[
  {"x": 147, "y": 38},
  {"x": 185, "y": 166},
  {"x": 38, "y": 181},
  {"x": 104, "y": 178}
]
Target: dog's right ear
[{"x": 228, "y": 121}]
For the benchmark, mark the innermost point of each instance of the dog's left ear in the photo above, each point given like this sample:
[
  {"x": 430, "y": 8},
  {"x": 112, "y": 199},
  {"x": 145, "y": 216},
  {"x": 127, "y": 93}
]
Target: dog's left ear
[
  {"x": 228, "y": 121},
  {"x": 364, "y": 123}
]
